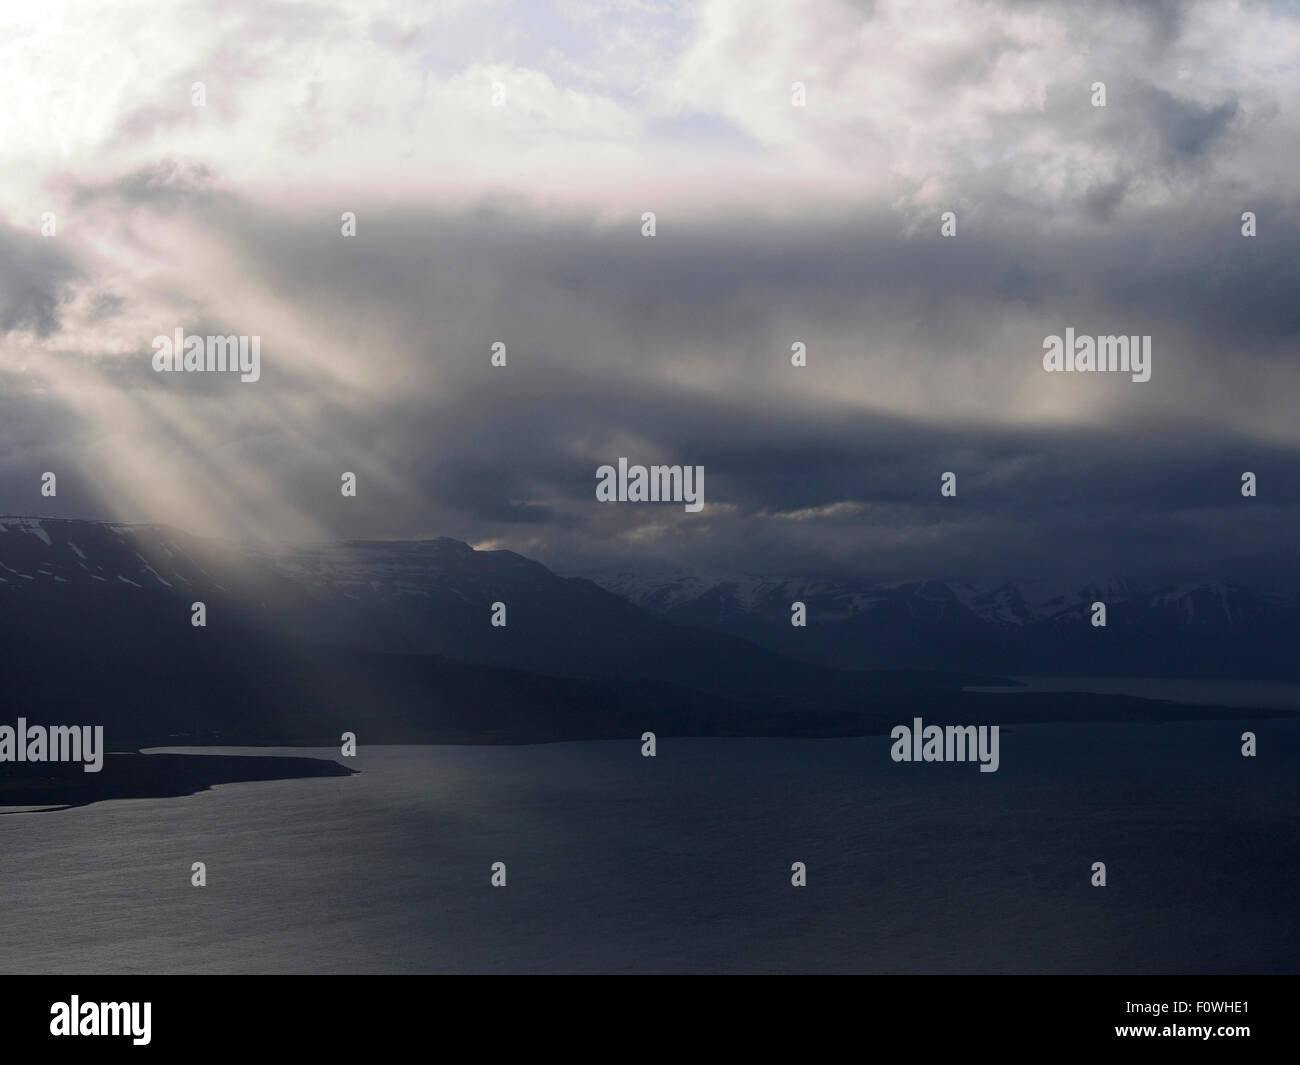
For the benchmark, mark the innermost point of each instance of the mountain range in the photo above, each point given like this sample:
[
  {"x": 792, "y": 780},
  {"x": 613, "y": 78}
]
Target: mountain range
[
  {"x": 395, "y": 641},
  {"x": 1194, "y": 628}
]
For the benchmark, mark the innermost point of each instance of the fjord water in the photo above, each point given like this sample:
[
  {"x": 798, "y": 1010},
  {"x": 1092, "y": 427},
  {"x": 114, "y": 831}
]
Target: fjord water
[{"x": 682, "y": 862}]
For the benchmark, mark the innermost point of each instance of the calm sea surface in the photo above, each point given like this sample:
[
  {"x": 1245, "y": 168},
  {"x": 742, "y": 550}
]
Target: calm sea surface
[{"x": 682, "y": 862}]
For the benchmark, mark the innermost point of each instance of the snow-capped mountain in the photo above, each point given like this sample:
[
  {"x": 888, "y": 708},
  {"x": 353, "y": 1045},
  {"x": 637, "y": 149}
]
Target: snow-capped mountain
[
  {"x": 714, "y": 632},
  {"x": 118, "y": 588},
  {"x": 397, "y": 638},
  {"x": 1202, "y": 627}
]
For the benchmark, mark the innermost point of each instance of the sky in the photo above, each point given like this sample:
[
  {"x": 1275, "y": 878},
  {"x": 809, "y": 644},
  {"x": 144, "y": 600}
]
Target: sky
[{"x": 499, "y": 158}]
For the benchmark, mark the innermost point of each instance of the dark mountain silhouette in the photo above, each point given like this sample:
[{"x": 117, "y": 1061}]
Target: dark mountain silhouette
[
  {"x": 113, "y": 592},
  {"x": 393, "y": 641}
]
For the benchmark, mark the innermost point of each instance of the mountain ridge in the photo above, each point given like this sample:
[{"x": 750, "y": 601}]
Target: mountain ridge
[
  {"x": 714, "y": 633},
  {"x": 1194, "y": 627}
]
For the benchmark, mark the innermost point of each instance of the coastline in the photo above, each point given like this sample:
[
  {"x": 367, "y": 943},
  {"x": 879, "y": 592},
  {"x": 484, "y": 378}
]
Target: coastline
[{"x": 135, "y": 775}]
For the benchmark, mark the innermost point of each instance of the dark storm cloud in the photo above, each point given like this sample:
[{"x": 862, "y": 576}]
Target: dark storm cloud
[
  {"x": 1185, "y": 129},
  {"x": 1163, "y": 19},
  {"x": 924, "y": 352},
  {"x": 1101, "y": 200},
  {"x": 596, "y": 319},
  {"x": 36, "y": 276},
  {"x": 1145, "y": 137},
  {"x": 162, "y": 186}
]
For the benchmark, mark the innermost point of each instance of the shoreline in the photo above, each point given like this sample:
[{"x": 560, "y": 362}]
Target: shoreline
[{"x": 136, "y": 775}]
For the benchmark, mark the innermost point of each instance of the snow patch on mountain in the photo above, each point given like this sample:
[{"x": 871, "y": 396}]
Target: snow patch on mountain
[{"x": 28, "y": 525}]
